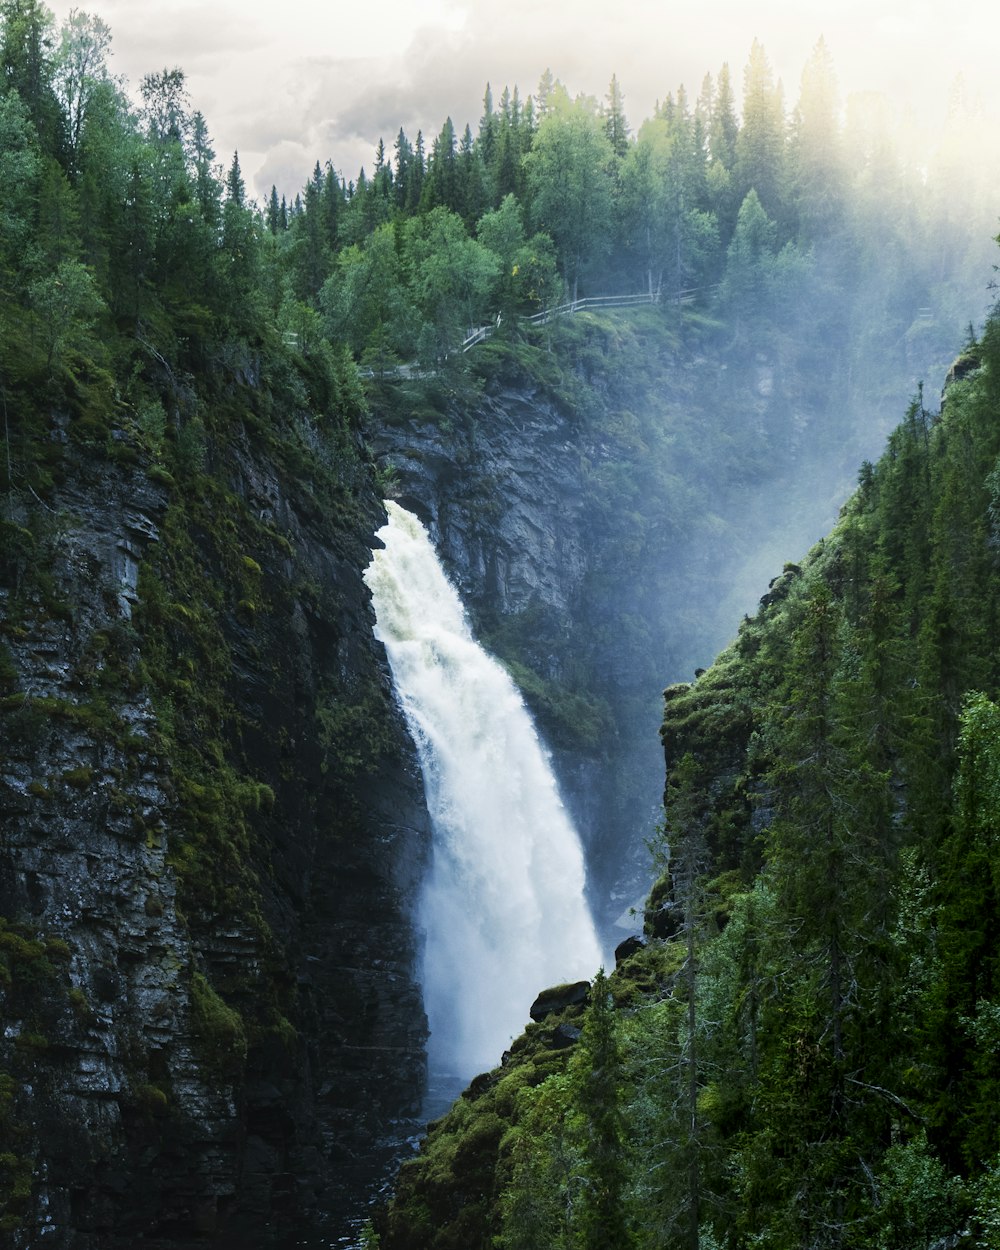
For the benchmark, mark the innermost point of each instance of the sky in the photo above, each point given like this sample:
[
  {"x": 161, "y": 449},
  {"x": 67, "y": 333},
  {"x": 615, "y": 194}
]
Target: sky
[{"x": 290, "y": 84}]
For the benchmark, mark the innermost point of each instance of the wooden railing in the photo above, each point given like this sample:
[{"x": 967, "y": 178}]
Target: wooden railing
[{"x": 479, "y": 334}]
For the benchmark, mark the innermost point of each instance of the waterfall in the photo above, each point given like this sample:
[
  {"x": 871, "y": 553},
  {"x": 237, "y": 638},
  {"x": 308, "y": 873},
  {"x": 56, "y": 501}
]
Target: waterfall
[{"x": 502, "y": 908}]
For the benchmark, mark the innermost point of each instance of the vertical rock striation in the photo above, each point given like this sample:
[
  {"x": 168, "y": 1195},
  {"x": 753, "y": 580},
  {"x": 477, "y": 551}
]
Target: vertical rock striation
[{"x": 212, "y": 825}]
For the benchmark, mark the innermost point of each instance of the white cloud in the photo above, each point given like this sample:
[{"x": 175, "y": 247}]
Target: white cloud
[{"x": 327, "y": 79}]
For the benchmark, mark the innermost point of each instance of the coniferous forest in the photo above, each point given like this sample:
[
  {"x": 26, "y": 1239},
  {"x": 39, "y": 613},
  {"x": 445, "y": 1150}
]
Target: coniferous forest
[
  {"x": 211, "y": 825},
  {"x": 804, "y": 1052}
]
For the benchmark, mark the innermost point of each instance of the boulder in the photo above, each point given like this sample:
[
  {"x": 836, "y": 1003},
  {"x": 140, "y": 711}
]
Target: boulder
[
  {"x": 629, "y": 947},
  {"x": 558, "y": 998}
]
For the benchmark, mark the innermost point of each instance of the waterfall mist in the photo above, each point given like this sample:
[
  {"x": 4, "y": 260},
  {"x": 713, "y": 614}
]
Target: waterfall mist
[{"x": 503, "y": 906}]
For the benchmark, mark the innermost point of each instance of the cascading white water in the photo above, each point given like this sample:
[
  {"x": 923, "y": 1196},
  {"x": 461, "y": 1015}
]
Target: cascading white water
[{"x": 503, "y": 905}]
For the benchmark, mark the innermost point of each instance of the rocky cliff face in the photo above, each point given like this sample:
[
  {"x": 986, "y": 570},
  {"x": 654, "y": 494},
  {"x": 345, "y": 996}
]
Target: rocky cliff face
[
  {"x": 501, "y": 491},
  {"x": 505, "y": 491},
  {"x": 212, "y": 825},
  {"x": 607, "y": 511}
]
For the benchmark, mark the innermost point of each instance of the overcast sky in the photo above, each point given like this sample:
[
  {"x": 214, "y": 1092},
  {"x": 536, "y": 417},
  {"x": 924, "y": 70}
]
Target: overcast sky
[{"x": 290, "y": 83}]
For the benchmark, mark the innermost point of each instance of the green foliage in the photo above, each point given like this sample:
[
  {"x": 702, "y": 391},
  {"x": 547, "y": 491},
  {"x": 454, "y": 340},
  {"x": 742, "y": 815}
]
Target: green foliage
[
  {"x": 987, "y": 1207},
  {"x": 602, "y": 1219},
  {"x": 354, "y": 736},
  {"x": 218, "y": 1029},
  {"x": 917, "y": 1203},
  {"x": 34, "y": 997},
  {"x": 370, "y": 1239},
  {"x": 806, "y": 1051},
  {"x": 450, "y": 276},
  {"x": 66, "y": 305},
  {"x": 567, "y": 718},
  {"x": 820, "y": 1037},
  {"x": 571, "y": 194}
]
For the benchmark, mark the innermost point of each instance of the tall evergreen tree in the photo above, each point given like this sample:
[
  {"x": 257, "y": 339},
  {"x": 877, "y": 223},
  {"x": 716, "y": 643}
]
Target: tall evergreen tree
[
  {"x": 81, "y": 65},
  {"x": 206, "y": 186},
  {"x": 273, "y": 210},
  {"x": 615, "y": 123},
  {"x": 403, "y": 150},
  {"x": 724, "y": 127},
  {"x": 602, "y": 1220},
  {"x": 28, "y": 66},
  {"x": 571, "y": 191},
  {"x": 760, "y": 144},
  {"x": 817, "y": 168},
  {"x": 441, "y": 186},
  {"x": 415, "y": 189}
]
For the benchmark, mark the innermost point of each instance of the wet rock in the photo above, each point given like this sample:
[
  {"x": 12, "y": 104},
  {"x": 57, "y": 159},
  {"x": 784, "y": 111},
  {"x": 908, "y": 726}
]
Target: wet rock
[
  {"x": 558, "y": 998},
  {"x": 564, "y": 1035},
  {"x": 502, "y": 491},
  {"x": 629, "y": 947},
  {"x": 137, "y": 1135}
]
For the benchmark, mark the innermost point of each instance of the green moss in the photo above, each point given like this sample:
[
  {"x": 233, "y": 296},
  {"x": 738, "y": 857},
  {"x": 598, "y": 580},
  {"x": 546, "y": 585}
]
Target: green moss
[
  {"x": 15, "y": 947},
  {"x": 95, "y": 715},
  {"x": 8, "y": 669},
  {"x": 57, "y": 950},
  {"x": 81, "y": 1007},
  {"x": 355, "y": 730},
  {"x": 79, "y": 778},
  {"x": 150, "y": 1100},
  {"x": 569, "y": 718},
  {"x": 161, "y": 476},
  {"x": 219, "y": 1029},
  {"x": 16, "y": 1170},
  {"x": 31, "y": 1043}
]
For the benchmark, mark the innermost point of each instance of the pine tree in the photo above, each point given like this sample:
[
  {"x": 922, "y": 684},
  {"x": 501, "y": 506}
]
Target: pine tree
[
  {"x": 404, "y": 168},
  {"x": 615, "y": 123},
  {"x": 206, "y": 187},
  {"x": 760, "y": 144},
  {"x": 544, "y": 96},
  {"x": 471, "y": 179},
  {"x": 415, "y": 189},
  {"x": 602, "y": 1222},
  {"x": 273, "y": 211},
  {"x": 235, "y": 187},
  {"x": 27, "y": 66},
  {"x": 688, "y": 866},
  {"x": 724, "y": 128},
  {"x": 817, "y": 167},
  {"x": 441, "y": 186},
  {"x": 331, "y": 206}
]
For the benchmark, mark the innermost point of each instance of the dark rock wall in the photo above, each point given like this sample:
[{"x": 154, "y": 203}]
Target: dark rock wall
[
  {"x": 501, "y": 495},
  {"x": 504, "y": 493},
  {"x": 608, "y": 510},
  {"x": 191, "y": 1047}
]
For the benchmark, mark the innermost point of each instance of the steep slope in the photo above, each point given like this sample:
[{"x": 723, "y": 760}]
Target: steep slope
[
  {"x": 804, "y": 1050},
  {"x": 609, "y": 495},
  {"x": 212, "y": 818}
]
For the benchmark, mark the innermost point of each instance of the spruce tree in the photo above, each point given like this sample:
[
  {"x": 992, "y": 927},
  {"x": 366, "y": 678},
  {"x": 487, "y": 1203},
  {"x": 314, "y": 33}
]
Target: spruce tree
[{"x": 602, "y": 1221}]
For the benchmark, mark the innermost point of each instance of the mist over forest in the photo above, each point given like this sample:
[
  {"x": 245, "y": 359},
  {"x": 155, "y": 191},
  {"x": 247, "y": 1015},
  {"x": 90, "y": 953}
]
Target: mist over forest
[{"x": 704, "y": 400}]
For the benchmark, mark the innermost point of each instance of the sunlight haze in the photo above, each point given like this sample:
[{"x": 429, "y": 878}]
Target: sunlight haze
[{"x": 287, "y": 86}]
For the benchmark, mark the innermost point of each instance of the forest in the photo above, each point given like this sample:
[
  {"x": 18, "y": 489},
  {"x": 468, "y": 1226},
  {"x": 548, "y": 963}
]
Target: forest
[
  {"x": 802, "y": 1050},
  {"x": 120, "y": 221}
]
